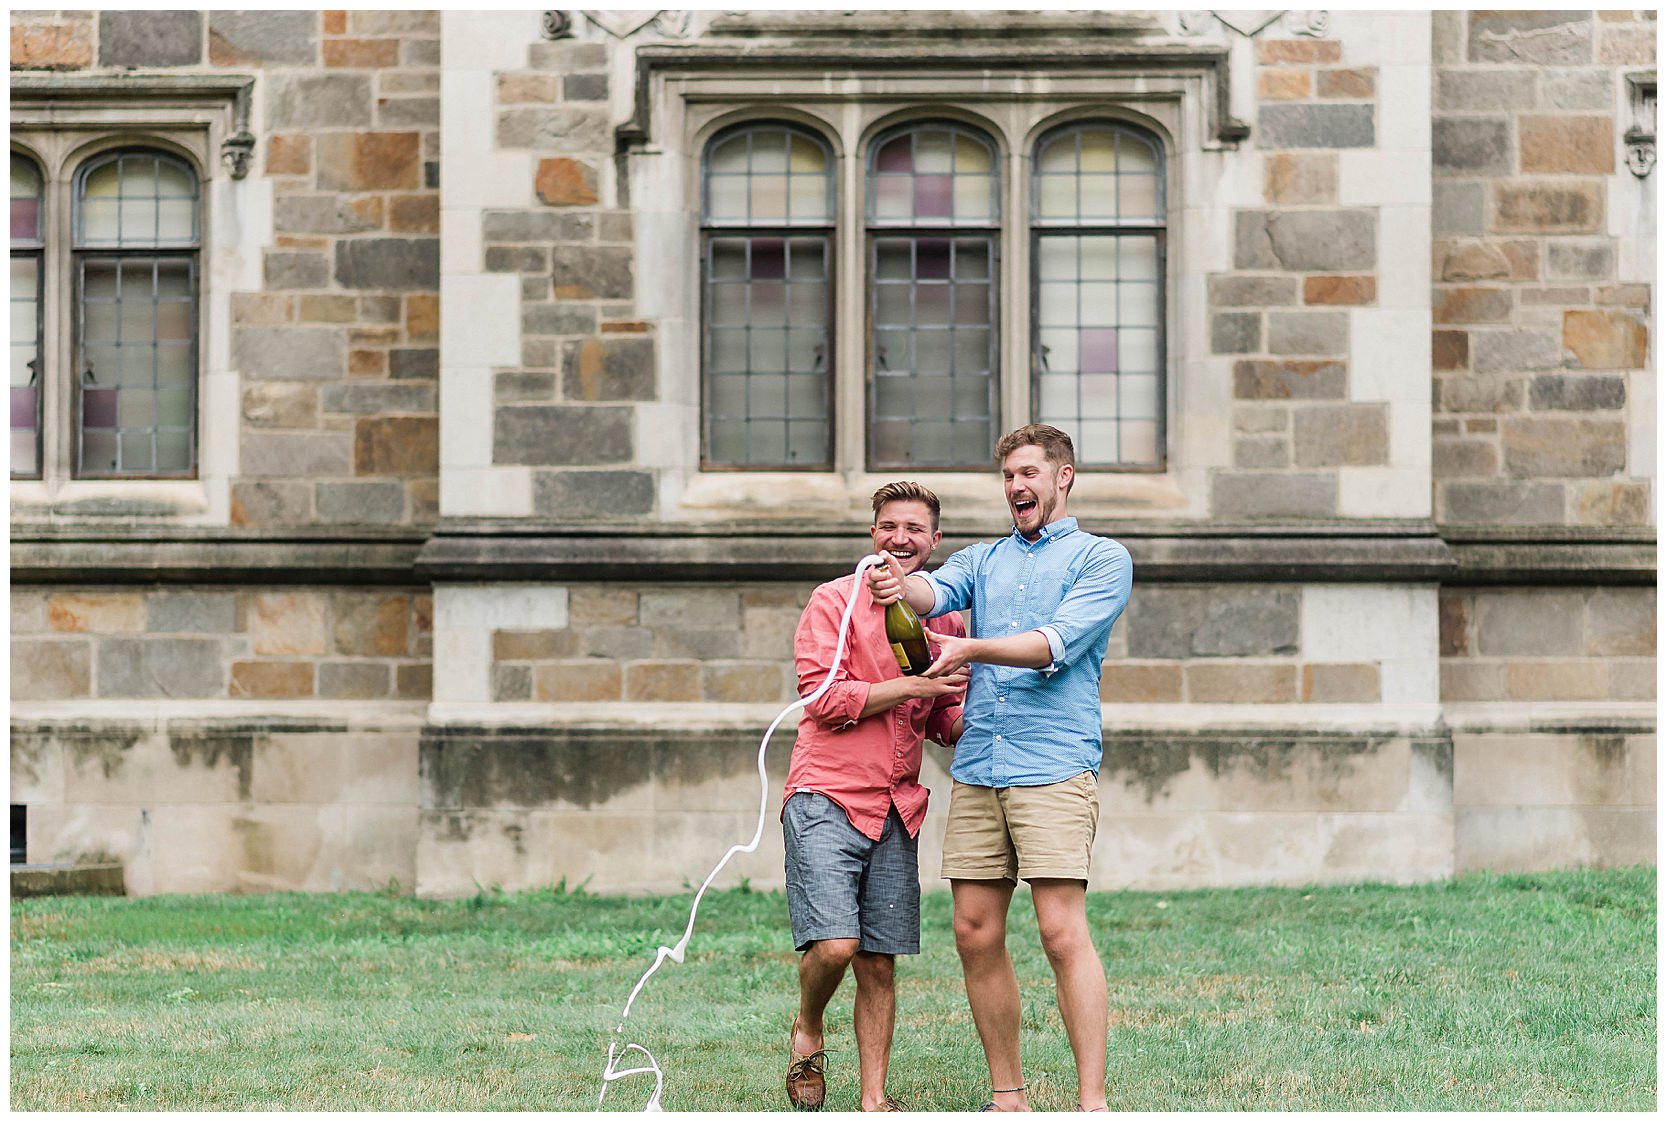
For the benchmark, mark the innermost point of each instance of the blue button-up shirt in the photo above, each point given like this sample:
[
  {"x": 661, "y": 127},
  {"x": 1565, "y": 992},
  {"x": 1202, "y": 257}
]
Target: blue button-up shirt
[{"x": 1025, "y": 728}]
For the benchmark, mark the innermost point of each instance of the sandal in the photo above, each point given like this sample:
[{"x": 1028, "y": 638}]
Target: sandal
[{"x": 991, "y": 1105}]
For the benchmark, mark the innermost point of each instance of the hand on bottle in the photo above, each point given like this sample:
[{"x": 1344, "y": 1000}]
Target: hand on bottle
[
  {"x": 953, "y": 655},
  {"x": 883, "y": 582}
]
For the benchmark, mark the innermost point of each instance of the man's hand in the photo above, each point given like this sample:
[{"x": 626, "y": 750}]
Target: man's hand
[
  {"x": 884, "y": 583},
  {"x": 953, "y": 655},
  {"x": 926, "y": 684}
]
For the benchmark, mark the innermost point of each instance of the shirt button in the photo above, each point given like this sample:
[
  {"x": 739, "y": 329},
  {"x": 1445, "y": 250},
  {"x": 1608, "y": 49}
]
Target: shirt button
[
  {"x": 1021, "y": 588},
  {"x": 1001, "y": 699},
  {"x": 1015, "y": 623}
]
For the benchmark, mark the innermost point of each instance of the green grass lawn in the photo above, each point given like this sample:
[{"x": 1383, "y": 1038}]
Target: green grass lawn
[{"x": 1484, "y": 993}]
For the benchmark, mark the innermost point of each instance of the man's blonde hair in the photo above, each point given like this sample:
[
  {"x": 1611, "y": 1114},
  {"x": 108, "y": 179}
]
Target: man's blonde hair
[
  {"x": 906, "y": 489},
  {"x": 1055, "y": 445}
]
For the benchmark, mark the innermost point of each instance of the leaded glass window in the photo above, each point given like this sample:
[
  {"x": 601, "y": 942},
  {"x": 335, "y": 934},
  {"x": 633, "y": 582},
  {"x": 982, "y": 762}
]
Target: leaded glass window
[
  {"x": 137, "y": 220},
  {"x": 933, "y": 216},
  {"x": 1098, "y": 269},
  {"x": 767, "y": 214},
  {"x": 28, "y": 247}
]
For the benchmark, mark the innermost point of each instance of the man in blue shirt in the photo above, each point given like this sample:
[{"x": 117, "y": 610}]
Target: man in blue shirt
[{"x": 1025, "y": 801}]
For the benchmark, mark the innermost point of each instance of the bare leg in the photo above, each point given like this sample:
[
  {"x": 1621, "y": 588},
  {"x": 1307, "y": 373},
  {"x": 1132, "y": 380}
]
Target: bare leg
[
  {"x": 820, "y": 971},
  {"x": 992, "y": 987},
  {"x": 1079, "y": 980},
  {"x": 874, "y": 1015}
]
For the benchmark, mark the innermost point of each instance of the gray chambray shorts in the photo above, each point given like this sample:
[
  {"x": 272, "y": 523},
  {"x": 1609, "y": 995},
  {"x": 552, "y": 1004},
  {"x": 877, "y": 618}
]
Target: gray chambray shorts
[{"x": 841, "y": 885}]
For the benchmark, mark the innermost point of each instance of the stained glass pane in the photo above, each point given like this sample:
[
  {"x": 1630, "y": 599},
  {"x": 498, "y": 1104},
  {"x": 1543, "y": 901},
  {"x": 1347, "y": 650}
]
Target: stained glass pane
[
  {"x": 26, "y": 201},
  {"x": 767, "y": 175},
  {"x": 933, "y": 175},
  {"x": 137, "y": 198}
]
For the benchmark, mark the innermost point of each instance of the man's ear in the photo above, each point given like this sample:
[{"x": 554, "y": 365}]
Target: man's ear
[{"x": 1066, "y": 474}]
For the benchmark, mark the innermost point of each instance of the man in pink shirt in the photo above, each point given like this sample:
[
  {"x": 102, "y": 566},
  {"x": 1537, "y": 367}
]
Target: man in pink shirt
[{"x": 853, "y": 807}]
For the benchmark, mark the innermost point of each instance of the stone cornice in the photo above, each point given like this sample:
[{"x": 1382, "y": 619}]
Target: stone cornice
[{"x": 137, "y": 554}]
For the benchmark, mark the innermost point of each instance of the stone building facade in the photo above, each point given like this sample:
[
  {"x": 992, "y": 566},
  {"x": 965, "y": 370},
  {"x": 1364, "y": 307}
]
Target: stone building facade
[{"x": 545, "y": 362}]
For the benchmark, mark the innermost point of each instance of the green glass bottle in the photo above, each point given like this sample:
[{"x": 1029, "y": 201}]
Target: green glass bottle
[{"x": 907, "y": 638}]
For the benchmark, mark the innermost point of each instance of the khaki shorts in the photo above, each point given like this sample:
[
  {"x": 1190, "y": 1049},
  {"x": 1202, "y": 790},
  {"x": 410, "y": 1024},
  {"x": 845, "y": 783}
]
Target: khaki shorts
[{"x": 1014, "y": 833}]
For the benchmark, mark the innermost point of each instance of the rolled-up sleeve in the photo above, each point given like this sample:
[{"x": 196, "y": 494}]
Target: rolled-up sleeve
[
  {"x": 814, "y": 641},
  {"x": 1097, "y": 597},
  {"x": 952, "y": 582}
]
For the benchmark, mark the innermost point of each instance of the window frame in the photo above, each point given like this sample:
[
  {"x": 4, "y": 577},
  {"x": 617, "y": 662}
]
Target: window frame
[{"x": 36, "y": 249}]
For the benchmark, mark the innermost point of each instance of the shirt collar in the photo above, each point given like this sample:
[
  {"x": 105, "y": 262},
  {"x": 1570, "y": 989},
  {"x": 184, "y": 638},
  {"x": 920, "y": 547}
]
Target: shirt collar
[{"x": 1055, "y": 529}]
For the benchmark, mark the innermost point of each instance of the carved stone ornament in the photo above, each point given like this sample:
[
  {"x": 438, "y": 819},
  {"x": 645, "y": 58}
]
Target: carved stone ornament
[
  {"x": 1640, "y": 137},
  {"x": 620, "y": 23},
  {"x": 235, "y": 152},
  {"x": 556, "y": 25},
  {"x": 1250, "y": 24},
  {"x": 1314, "y": 24}
]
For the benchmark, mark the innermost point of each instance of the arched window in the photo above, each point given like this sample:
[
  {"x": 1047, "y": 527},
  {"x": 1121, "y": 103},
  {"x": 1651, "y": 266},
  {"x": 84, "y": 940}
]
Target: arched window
[
  {"x": 28, "y": 248},
  {"x": 135, "y": 263},
  {"x": 1097, "y": 322},
  {"x": 933, "y": 217},
  {"x": 767, "y": 217}
]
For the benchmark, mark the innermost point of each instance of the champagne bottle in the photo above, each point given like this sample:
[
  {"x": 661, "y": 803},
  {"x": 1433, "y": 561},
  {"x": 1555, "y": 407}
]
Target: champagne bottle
[{"x": 907, "y": 638}]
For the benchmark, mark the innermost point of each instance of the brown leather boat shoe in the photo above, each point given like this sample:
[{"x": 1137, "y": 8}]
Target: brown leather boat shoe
[{"x": 807, "y": 1084}]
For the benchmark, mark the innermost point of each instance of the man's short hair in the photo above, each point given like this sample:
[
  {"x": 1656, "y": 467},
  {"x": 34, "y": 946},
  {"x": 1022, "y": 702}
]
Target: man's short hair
[
  {"x": 1055, "y": 445},
  {"x": 906, "y": 489}
]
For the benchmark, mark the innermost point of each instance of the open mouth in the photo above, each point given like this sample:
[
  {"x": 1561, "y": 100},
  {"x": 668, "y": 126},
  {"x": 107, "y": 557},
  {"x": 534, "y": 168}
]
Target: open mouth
[{"x": 1022, "y": 508}]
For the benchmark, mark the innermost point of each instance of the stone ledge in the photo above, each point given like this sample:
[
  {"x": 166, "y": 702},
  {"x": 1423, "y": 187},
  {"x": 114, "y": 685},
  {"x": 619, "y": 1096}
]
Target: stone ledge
[
  {"x": 68, "y": 880},
  {"x": 143, "y": 555},
  {"x": 1550, "y": 555}
]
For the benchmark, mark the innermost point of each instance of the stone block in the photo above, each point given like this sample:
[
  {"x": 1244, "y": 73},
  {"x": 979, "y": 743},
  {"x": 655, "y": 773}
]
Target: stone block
[
  {"x": 592, "y": 605},
  {"x": 299, "y": 100},
  {"x": 378, "y": 397},
  {"x": 95, "y": 613},
  {"x": 1612, "y": 504},
  {"x": 1566, "y": 145},
  {"x": 1542, "y": 36},
  {"x": 272, "y": 679},
  {"x": 287, "y": 623},
  {"x": 294, "y": 269},
  {"x": 394, "y": 21},
  {"x": 1479, "y": 393},
  {"x": 1457, "y": 208},
  {"x": 703, "y": 644},
  {"x": 245, "y": 38},
  {"x": 271, "y": 504},
  {"x": 1482, "y": 90},
  {"x": 1577, "y": 392},
  {"x": 535, "y": 646},
  {"x": 139, "y": 39},
  {"x": 1283, "y": 84},
  {"x": 295, "y": 454},
  {"x": 557, "y": 319},
  {"x": 585, "y": 87},
  {"x": 388, "y": 263},
  {"x": 1562, "y": 88},
  {"x": 512, "y": 683},
  {"x": 1261, "y": 419},
  {"x": 396, "y": 446},
  {"x": 52, "y": 46},
  {"x": 1332, "y": 435},
  {"x": 1465, "y": 259},
  {"x": 289, "y": 354},
  {"x": 539, "y": 226},
  {"x": 619, "y": 642},
  {"x": 1530, "y": 622},
  {"x": 1621, "y": 621},
  {"x": 1579, "y": 260},
  {"x": 1467, "y": 680},
  {"x": 28, "y": 611},
  {"x": 741, "y": 682},
  {"x": 195, "y": 612},
  {"x": 523, "y": 89},
  {"x": 1454, "y": 618},
  {"x": 369, "y": 161},
  {"x": 1308, "y": 333},
  {"x": 415, "y": 682},
  {"x": 561, "y": 181},
  {"x": 280, "y": 405},
  {"x": 561, "y": 128},
  {"x": 51, "y": 669},
  {"x": 517, "y": 259},
  {"x": 1339, "y": 290},
  {"x": 1627, "y": 46},
  {"x": 1560, "y": 447},
  {"x": 289, "y": 155},
  {"x": 1605, "y": 339},
  {"x": 1507, "y": 504},
  {"x": 1232, "y": 291},
  {"x": 1360, "y": 82},
  {"x": 1180, "y": 622},
  {"x": 186, "y": 668},
  {"x": 1547, "y": 207},
  {"x": 262, "y": 308},
  {"x": 1300, "y": 178},
  {"x": 509, "y": 386},
  {"x": 414, "y": 214},
  {"x": 662, "y": 681},
  {"x": 1316, "y": 126},
  {"x": 1633, "y": 679},
  {"x": 1235, "y": 333},
  {"x": 1274, "y": 495},
  {"x": 363, "y": 54},
  {"x": 1470, "y": 146},
  {"x": 1449, "y": 350},
  {"x": 361, "y": 504},
  {"x": 422, "y": 317},
  {"x": 1305, "y": 241},
  {"x": 580, "y": 680},
  {"x": 328, "y": 309},
  {"x": 620, "y": 369},
  {"x": 1273, "y": 51},
  {"x": 1492, "y": 351},
  {"x": 1341, "y": 682},
  {"x": 1459, "y": 459},
  {"x": 1255, "y": 452},
  {"x": 592, "y": 494},
  {"x": 414, "y": 362},
  {"x": 353, "y": 679},
  {"x": 1290, "y": 379},
  {"x": 1539, "y": 680},
  {"x": 1133, "y": 683},
  {"x": 1467, "y": 304},
  {"x": 1259, "y": 683},
  {"x": 583, "y": 272},
  {"x": 562, "y": 435},
  {"x": 691, "y": 608}
]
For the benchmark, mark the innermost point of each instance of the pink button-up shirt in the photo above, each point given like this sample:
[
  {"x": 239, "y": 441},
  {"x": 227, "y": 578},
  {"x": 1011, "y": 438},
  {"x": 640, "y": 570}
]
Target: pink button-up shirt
[{"x": 865, "y": 765}]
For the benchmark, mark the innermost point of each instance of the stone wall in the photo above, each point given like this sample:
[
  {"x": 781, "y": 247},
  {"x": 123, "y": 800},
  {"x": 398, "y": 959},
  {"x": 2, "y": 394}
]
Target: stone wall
[
  {"x": 212, "y": 642},
  {"x": 1548, "y": 644},
  {"x": 1543, "y": 276}
]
